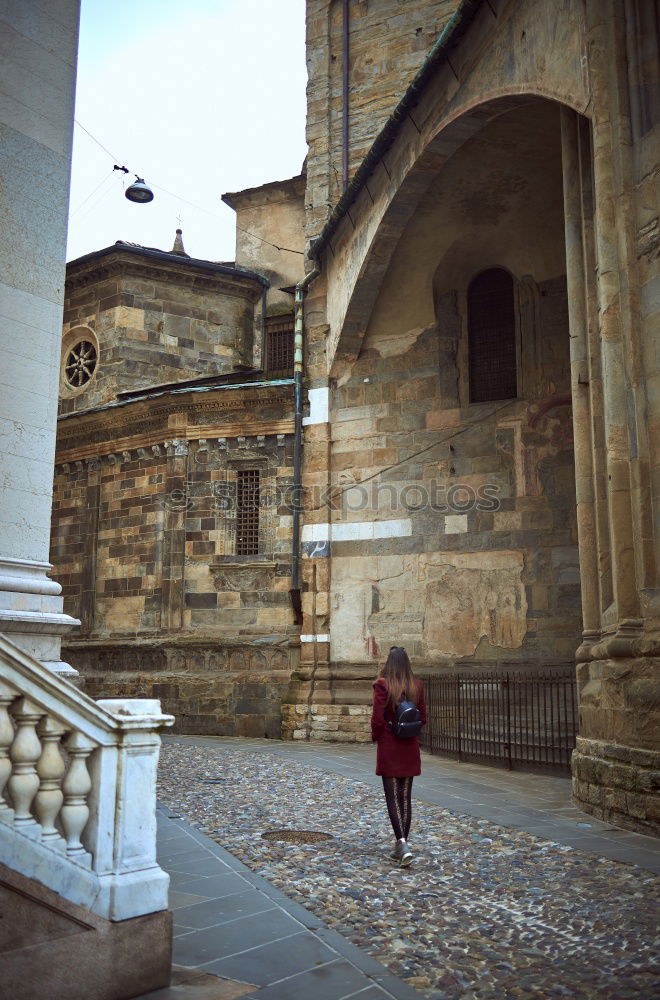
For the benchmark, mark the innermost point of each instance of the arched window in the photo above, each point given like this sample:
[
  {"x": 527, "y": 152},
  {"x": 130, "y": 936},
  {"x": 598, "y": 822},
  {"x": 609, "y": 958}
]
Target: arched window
[{"x": 492, "y": 337}]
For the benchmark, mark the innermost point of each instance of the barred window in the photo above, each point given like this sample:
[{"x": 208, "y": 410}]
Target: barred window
[
  {"x": 279, "y": 344},
  {"x": 247, "y": 512},
  {"x": 492, "y": 337}
]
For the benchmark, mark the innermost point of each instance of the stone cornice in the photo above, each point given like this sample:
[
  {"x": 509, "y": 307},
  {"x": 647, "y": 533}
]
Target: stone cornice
[
  {"x": 292, "y": 187},
  {"x": 270, "y": 642},
  {"x": 162, "y": 406},
  {"x": 150, "y": 422},
  {"x": 202, "y": 275},
  {"x": 162, "y": 440}
]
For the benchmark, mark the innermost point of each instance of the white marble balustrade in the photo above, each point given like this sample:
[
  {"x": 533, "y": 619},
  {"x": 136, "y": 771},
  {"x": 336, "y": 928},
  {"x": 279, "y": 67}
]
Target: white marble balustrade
[{"x": 78, "y": 789}]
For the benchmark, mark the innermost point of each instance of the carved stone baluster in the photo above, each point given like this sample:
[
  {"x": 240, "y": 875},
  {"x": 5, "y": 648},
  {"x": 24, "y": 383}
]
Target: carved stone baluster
[
  {"x": 7, "y": 695},
  {"x": 76, "y": 787},
  {"x": 25, "y": 752},
  {"x": 51, "y": 767}
]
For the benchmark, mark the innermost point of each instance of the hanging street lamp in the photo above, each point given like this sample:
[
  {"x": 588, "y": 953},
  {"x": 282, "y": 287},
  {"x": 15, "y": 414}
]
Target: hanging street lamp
[{"x": 139, "y": 191}]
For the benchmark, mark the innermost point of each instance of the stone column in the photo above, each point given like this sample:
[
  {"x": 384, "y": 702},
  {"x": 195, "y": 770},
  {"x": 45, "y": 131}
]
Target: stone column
[
  {"x": 580, "y": 381},
  {"x": 595, "y": 377},
  {"x": 614, "y": 386},
  {"x": 616, "y": 765},
  {"x": 637, "y": 97},
  {"x": 36, "y": 123}
]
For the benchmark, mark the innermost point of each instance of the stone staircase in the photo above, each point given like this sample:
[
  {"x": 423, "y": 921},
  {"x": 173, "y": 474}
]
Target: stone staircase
[{"x": 83, "y": 900}]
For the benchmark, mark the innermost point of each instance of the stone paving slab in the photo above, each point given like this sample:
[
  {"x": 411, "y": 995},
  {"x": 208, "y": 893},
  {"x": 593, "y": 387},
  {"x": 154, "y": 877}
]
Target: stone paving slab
[
  {"x": 486, "y": 911},
  {"x": 236, "y": 935},
  {"x": 188, "y": 984}
]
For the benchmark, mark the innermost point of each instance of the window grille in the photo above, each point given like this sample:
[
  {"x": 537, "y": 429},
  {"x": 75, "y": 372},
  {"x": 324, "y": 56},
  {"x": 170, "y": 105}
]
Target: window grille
[
  {"x": 279, "y": 344},
  {"x": 492, "y": 337},
  {"x": 247, "y": 512}
]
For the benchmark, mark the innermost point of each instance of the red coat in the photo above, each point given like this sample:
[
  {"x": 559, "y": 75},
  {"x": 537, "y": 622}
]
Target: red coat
[{"x": 395, "y": 758}]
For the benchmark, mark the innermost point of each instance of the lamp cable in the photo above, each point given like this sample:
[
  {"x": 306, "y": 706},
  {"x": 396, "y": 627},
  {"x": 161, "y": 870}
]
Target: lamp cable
[{"x": 178, "y": 197}]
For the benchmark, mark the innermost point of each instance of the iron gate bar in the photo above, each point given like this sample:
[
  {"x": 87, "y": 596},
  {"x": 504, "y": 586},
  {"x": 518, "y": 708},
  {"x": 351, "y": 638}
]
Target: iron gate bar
[
  {"x": 553, "y": 689},
  {"x": 511, "y": 718},
  {"x": 507, "y": 688},
  {"x": 459, "y": 726}
]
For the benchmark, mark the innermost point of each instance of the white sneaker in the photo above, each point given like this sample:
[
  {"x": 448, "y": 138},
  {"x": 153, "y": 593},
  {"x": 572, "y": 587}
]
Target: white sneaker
[{"x": 402, "y": 853}]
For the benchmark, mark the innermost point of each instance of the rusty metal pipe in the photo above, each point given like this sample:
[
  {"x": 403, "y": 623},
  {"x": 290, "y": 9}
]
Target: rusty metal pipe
[{"x": 299, "y": 320}]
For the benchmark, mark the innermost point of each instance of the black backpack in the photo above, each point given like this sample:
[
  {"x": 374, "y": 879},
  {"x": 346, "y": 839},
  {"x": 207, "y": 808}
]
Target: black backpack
[{"x": 407, "y": 720}]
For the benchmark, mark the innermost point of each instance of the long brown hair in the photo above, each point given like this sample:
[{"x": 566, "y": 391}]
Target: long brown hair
[{"x": 399, "y": 676}]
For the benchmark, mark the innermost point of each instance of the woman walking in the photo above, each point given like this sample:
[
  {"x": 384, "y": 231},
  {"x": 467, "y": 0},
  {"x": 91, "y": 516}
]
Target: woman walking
[{"x": 397, "y": 760}]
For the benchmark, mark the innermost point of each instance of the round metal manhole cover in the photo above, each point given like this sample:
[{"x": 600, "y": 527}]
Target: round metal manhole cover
[{"x": 297, "y": 836}]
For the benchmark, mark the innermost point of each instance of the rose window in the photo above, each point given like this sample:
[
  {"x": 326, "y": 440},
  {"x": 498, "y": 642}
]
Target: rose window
[{"x": 80, "y": 364}]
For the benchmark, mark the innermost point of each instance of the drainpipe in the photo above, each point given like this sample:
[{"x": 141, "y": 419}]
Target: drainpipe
[
  {"x": 301, "y": 288},
  {"x": 344, "y": 122}
]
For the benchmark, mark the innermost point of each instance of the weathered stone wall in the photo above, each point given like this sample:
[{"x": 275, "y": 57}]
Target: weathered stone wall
[
  {"x": 270, "y": 236},
  {"x": 144, "y": 530},
  {"x": 482, "y": 559},
  {"x": 388, "y": 42},
  {"x": 157, "y": 321},
  {"x": 120, "y": 514},
  {"x": 599, "y": 62},
  {"x": 211, "y": 685}
]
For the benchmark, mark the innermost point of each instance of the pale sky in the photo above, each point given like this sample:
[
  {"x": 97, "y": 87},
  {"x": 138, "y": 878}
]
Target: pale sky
[{"x": 198, "y": 98}]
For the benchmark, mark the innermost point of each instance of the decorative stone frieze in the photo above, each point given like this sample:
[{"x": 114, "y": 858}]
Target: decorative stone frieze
[{"x": 218, "y": 687}]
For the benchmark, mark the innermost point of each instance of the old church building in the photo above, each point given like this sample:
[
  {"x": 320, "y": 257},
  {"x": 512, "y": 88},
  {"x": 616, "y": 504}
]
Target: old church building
[
  {"x": 171, "y": 519},
  {"x": 477, "y": 339}
]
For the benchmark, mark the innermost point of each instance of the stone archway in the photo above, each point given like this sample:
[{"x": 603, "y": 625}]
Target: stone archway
[
  {"x": 589, "y": 61},
  {"x": 597, "y": 387},
  {"x": 379, "y": 237},
  {"x": 497, "y": 202}
]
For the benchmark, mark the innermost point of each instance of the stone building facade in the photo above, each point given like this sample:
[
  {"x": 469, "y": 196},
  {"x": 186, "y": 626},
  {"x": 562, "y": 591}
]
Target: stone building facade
[
  {"x": 484, "y": 327},
  {"x": 171, "y": 524}
]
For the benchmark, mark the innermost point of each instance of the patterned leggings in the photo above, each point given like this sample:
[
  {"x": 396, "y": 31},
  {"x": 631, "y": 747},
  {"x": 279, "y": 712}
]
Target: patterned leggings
[{"x": 398, "y": 792}]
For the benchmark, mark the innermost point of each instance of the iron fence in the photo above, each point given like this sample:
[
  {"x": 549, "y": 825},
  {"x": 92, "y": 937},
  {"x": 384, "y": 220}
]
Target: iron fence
[{"x": 516, "y": 720}]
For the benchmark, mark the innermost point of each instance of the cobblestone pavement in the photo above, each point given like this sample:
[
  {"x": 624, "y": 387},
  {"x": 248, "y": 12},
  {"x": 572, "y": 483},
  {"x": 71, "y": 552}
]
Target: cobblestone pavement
[{"x": 484, "y": 912}]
